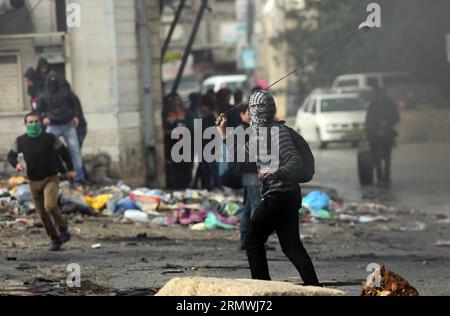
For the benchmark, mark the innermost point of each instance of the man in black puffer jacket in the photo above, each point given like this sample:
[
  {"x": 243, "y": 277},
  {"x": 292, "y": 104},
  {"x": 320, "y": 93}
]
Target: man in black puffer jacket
[{"x": 61, "y": 115}]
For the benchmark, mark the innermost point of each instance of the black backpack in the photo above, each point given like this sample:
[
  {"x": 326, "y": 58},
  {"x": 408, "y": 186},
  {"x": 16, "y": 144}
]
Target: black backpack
[{"x": 308, "y": 169}]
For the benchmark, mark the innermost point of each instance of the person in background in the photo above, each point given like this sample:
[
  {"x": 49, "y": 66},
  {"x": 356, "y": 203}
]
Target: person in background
[
  {"x": 194, "y": 113},
  {"x": 209, "y": 171},
  {"x": 61, "y": 116},
  {"x": 223, "y": 97},
  {"x": 43, "y": 71},
  {"x": 31, "y": 77},
  {"x": 381, "y": 118},
  {"x": 238, "y": 99},
  {"x": 41, "y": 151},
  {"x": 178, "y": 175}
]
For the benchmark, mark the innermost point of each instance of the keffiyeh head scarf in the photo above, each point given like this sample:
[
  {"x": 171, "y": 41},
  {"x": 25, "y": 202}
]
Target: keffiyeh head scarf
[{"x": 262, "y": 108}]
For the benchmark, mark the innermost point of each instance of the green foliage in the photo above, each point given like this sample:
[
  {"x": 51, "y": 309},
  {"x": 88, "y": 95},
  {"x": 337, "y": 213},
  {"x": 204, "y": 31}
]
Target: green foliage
[{"x": 412, "y": 38}]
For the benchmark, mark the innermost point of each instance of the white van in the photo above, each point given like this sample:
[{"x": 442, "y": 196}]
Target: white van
[
  {"x": 231, "y": 82},
  {"x": 367, "y": 81}
]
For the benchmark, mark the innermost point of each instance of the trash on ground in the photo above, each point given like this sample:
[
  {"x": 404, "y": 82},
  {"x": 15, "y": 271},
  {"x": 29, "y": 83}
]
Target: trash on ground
[
  {"x": 443, "y": 243},
  {"x": 390, "y": 284}
]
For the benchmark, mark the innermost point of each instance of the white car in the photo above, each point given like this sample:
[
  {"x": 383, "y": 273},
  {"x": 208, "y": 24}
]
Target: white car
[
  {"x": 367, "y": 81},
  {"x": 231, "y": 82},
  {"x": 327, "y": 118}
]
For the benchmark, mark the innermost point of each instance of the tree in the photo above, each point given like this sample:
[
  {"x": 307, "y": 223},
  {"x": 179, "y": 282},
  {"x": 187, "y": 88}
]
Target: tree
[{"x": 412, "y": 39}]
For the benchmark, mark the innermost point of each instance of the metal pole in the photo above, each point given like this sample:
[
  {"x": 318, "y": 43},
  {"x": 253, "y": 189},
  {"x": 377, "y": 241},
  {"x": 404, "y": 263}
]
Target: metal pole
[
  {"x": 188, "y": 49},
  {"x": 172, "y": 29}
]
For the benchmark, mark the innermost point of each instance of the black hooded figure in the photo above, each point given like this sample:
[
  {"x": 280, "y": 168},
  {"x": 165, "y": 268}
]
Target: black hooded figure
[
  {"x": 42, "y": 72},
  {"x": 381, "y": 118}
]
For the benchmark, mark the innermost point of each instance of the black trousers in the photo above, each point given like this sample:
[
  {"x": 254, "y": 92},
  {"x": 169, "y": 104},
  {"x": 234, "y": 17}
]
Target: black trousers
[
  {"x": 278, "y": 213},
  {"x": 382, "y": 152}
]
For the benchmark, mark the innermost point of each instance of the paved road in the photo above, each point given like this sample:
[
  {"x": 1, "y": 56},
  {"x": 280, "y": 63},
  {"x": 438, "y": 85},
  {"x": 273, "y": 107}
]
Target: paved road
[
  {"x": 421, "y": 176},
  {"x": 341, "y": 253}
]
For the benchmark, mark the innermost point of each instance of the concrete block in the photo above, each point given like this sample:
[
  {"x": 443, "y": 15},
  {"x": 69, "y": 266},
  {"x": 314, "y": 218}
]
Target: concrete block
[{"x": 198, "y": 286}]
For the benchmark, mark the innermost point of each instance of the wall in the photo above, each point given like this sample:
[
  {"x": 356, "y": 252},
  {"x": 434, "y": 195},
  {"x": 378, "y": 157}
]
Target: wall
[{"x": 105, "y": 76}]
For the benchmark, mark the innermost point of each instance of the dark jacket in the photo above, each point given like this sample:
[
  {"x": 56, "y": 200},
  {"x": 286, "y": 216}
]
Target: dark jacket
[
  {"x": 248, "y": 167},
  {"x": 60, "y": 107},
  {"x": 381, "y": 118},
  {"x": 288, "y": 167},
  {"x": 41, "y": 155}
]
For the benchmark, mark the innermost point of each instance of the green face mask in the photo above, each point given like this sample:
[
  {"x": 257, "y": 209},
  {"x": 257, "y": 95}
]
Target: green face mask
[{"x": 34, "y": 130}]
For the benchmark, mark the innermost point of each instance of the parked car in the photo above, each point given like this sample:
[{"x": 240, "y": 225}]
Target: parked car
[
  {"x": 366, "y": 81},
  {"x": 231, "y": 82},
  {"x": 328, "y": 118}
]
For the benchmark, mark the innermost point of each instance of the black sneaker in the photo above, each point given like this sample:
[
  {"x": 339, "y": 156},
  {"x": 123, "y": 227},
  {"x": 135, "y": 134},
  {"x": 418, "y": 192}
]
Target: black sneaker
[
  {"x": 64, "y": 235},
  {"x": 56, "y": 246}
]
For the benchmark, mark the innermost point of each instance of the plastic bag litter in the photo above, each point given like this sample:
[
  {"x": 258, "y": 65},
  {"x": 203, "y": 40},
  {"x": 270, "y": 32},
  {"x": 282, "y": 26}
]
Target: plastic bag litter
[
  {"x": 72, "y": 208},
  {"x": 125, "y": 204},
  {"x": 231, "y": 209},
  {"x": 322, "y": 214},
  {"x": 22, "y": 193},
  {"x": 148, "y": 200},
  {"x": 316, "y": 200},
  {"x": 136, "y": 216},
  {"x": 212, "y": 222},
  {"x": 98, "y": 202},
  {"x": 16, "y": 181},
  {"x": 4, "y": 193},
  {"x": 190, "y": 216},
  {"x": 413, "y": 226},
  {"x": 369, "y": 219}
]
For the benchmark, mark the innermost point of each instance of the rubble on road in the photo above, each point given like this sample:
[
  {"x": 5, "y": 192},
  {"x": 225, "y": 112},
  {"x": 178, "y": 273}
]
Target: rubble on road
[
  {"x": 390, "y": 284},
  {"x": 196, "y": 209}
]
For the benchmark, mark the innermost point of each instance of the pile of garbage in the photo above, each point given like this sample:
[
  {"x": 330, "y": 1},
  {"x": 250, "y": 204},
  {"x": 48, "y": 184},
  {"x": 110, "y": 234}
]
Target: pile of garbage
[
  {"x": 16, "y": 204},
  {"x": 196, "y": 209},
  {"x": 318, "y": 206},
  {"x": 199, "y": 210}
]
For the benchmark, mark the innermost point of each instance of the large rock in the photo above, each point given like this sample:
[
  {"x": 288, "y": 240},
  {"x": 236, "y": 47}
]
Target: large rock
[{"x": 197, "y": 286}]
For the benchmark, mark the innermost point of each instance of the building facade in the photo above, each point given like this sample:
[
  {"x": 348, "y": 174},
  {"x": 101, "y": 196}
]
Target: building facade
[{"x": 113, "y": 65}]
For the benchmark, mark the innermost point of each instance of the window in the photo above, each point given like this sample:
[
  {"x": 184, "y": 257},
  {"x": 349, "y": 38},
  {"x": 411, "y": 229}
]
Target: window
[
  {"x": 11, "y": 83},
  {"x": 347, "y": 83},
  {"x": 305, "y": 105},
  {"x": 314, "y": 107},
  {"x": 342, "y": 105},
  {"x": 309, "y": 105}
]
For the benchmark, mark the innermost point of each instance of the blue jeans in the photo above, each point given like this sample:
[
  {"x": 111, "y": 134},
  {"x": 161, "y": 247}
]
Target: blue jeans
[
  {"x": 70, "y": 135},
  {"x": 252, "y": 199}
]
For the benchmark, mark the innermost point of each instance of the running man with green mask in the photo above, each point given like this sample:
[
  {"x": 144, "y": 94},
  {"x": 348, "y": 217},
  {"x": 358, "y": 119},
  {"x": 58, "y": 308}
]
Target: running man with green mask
[{"x": 41, "y": 152}]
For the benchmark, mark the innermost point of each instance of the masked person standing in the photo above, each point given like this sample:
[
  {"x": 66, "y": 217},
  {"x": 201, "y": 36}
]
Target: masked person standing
[
  {"x": 41, "y": 152},
  {"x": 280, "y": 190}
]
